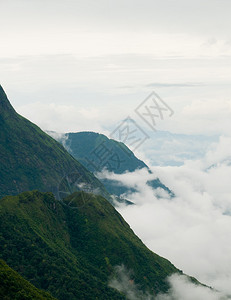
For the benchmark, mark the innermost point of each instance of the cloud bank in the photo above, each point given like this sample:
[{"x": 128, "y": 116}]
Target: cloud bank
[
  {"x": 181, "y": 288},
  {"x": 193, "y": 229}
]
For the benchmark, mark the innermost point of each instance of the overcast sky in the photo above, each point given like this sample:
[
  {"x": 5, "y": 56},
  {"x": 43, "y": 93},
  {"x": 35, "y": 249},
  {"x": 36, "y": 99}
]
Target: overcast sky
[
  {"x": 99, "y": 60},
  {"x": 86, "y": 65}
]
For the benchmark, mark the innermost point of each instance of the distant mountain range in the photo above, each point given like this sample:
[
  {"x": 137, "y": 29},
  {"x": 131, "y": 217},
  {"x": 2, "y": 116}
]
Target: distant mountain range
[
  {"x": 98, "y": 153},
  {"x": 69, "y": 240},
  {"x": 165, "y": 148}
]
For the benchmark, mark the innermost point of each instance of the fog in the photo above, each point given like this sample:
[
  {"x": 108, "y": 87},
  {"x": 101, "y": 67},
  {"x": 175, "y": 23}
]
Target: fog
[
  {"x": 181, "y": 288},
  {"x": 192, "y": 229}
]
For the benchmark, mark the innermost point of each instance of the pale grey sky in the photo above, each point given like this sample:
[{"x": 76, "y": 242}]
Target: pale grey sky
[
  {"x": 86, "y": 65},
  {"x": 100, "y": 59}
]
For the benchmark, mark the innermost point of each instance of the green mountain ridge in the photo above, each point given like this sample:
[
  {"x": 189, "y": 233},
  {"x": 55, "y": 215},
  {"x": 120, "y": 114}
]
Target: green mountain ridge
[
  {"x": 14, "y": 286},
  {"x": 72, "y": 251},
  {"x": 97, "y": 152},
  {"x": 68, "y": 244},
  {"x": 31, "y": 159}
]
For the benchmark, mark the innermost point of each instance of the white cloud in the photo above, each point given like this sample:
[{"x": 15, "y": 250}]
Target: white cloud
[
  {"x": 91, "y": 87},
  {"x": 167, "y": 149},
  {"x": 181, "y": 288},
  {"x": 67, "y": 118},
  {"x": 193, "y": 229},
  {"x": 85, "y": 52},
  {"x": 123, "y": 283}
]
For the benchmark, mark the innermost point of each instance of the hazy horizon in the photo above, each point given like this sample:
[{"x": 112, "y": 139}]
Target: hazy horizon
[{"x": 71, "y": 66}]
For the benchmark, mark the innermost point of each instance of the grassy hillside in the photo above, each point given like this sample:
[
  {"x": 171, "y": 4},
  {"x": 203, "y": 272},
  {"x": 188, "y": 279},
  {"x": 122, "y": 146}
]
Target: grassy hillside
[
  {"x": 72, "y": 251},
  {"x": 15, "y": 287},
  {"x": 31, "y": 159}
]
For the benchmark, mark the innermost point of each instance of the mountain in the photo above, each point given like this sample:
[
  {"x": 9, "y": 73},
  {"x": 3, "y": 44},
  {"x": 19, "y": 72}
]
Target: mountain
[
  {"x": 73, "y": 251},
  {"x": 97, "y": 152},
  {"x": 14, "y": 286},
  {"x": 31, "y": 159}
]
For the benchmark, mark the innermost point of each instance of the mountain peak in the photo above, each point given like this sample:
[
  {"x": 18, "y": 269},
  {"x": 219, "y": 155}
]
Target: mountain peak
[
  {"x": 36, "y": 160},
  {"x": 5, "y": 105}
]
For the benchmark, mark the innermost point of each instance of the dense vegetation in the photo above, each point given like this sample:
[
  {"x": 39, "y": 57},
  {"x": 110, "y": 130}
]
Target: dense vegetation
[
  {"x": 71, "y": 251},
  {"x": 31, "y": 159},
  {"x": 15, "y": 287},
  {"x": 96, "y": 152}
]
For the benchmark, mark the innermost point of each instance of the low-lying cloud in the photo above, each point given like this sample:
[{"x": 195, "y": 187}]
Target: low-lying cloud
[
  {"x": 193, "y": 229},
  {"x": 181, "y": 288},
  {"x": 123, "y": 283}
]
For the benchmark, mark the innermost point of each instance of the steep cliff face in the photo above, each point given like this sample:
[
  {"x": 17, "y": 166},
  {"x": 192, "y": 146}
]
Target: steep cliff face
[
  {"x": 72, "y": 251},
  {"x": 31, "y": 159}
]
